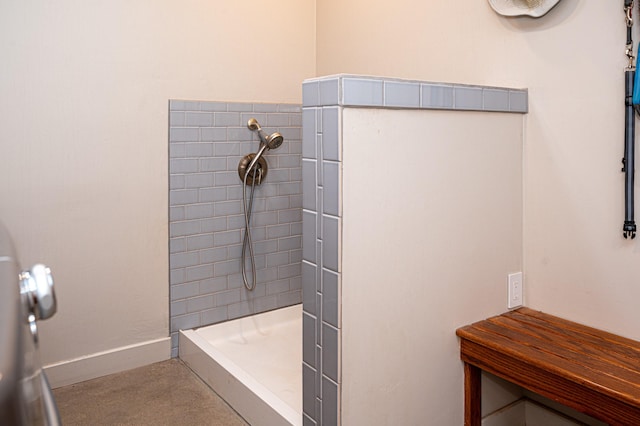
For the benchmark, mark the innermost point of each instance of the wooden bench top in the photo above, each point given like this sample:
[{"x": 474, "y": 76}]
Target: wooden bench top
[{"x": 592, "y": 371}]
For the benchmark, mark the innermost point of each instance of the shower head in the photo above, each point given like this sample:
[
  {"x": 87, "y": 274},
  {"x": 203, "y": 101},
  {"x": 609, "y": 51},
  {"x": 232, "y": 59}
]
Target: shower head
[
  {"x": 274, "y": 140},
  {"x": 271, "y": 141}
]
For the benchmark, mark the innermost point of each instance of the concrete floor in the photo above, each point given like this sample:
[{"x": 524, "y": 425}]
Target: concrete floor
[{"x": 165, "y": 393}]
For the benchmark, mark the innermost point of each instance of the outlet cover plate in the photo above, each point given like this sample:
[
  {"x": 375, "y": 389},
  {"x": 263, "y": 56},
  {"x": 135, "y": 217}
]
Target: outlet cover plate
[{"x": 515, "y": 292}]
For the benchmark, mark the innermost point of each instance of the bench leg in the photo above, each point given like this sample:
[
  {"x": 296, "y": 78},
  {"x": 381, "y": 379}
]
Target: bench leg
[{"x": 472, "y": 395}]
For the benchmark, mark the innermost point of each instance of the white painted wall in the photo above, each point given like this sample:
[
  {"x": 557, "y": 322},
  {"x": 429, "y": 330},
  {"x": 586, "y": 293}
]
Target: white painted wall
[
  {"x": 432, "y": 225},
  {"x": 83, "y": 140},
  {"x": 577, "y": 264}
]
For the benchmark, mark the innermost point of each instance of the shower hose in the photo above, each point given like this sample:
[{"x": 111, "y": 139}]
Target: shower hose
[{"x": 247, "y": 229}]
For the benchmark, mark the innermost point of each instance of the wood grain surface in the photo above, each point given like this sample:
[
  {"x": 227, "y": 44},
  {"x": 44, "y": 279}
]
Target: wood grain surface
[{"x": 592, "y": 371}]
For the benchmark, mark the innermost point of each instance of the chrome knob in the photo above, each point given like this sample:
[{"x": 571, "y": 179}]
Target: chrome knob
[{"x": 37, "y": 286}]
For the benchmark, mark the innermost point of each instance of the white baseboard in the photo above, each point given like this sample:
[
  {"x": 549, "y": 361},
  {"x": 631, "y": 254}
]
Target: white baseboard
[{"x": 108, "y": 362}]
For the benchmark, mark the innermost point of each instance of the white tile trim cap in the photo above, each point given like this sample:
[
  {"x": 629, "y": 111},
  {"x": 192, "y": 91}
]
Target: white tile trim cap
[{"x": 533, "y": 8}]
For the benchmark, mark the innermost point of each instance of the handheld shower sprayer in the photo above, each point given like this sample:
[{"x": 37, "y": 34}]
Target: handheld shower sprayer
[
  {"x": 252, "y": 170},
  {"x": 251, "y": 161}
]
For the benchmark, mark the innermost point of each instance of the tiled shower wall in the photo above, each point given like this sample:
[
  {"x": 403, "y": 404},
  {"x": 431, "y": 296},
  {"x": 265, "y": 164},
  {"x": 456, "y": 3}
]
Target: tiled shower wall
[
  {"x": 321, "y": 166},
  {"x": 206, "y": 223}
]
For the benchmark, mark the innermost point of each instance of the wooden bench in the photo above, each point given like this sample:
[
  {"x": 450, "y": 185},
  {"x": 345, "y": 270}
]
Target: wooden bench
[{"x": 589, "y": 370}]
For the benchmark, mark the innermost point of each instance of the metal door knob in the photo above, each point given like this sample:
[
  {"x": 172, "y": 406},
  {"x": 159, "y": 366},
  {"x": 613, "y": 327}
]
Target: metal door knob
[{"x": 37, "y": 286}]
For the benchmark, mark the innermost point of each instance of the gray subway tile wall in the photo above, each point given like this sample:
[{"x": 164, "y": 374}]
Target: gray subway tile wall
[
  {"x": 321, "y": 170},
  {"x": 206, "y": 224}
]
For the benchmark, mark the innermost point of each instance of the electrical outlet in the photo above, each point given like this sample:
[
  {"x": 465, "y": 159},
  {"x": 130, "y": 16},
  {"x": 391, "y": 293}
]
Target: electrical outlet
[{"x": 515, "y": 290}]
